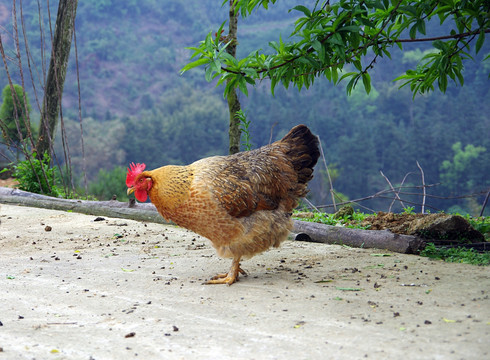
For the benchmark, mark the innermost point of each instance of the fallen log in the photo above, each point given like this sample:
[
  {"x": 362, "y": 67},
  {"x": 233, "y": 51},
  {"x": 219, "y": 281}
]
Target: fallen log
[
  {"x": 113, "y": 208},
  {"x": 380, "y": 239},
  {"x": 305, "y": 231}
]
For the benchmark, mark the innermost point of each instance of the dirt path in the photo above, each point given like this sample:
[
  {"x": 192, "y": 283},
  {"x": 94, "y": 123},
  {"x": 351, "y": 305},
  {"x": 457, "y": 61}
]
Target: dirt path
[{"x": 121, "y": 289}]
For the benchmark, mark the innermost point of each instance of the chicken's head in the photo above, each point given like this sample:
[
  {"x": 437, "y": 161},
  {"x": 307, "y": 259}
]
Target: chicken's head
[{"x": 138, "y": 182}]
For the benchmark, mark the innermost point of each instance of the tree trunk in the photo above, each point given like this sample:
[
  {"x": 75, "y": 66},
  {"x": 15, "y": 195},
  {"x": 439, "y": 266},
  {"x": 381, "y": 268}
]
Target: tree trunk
[
  {"x": 234, "y": 132},
  {"x": 233, "y": 102},
  {"x": 63, "y": 33}
]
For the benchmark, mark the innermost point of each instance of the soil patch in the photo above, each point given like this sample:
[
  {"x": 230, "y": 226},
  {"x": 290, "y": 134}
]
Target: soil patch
[
  {"x": 439, "y": 227},
  {"x": 8, "y": 182}
]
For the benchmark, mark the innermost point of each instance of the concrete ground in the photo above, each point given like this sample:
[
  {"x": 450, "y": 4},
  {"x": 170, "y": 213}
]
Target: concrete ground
[{"x": 72, "y": 287}]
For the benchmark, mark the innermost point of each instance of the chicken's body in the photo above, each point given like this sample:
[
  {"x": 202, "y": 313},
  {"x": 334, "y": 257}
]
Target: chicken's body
[{"x": 241, "y": 202}]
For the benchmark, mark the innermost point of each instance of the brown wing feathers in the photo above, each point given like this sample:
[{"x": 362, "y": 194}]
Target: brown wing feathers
[{"x": 263, "y": 178}]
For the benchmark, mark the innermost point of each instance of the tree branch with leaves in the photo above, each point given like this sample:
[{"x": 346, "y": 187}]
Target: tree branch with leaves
[{"x": 343, "y": 41}]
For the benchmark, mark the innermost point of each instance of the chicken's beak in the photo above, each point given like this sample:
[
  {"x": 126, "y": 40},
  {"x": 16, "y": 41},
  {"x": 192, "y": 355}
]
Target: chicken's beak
[{"x": 130, "y": 190}]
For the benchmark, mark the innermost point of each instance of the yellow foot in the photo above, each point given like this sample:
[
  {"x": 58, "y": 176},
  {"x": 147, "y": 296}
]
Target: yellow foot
[
  {"x": 222, "y": 279},
  {"x": 228, "y": 278}
]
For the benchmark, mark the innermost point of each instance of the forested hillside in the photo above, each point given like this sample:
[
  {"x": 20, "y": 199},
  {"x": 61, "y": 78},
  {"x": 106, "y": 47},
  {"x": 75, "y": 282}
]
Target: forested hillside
[{"x": 137, "y": 107}]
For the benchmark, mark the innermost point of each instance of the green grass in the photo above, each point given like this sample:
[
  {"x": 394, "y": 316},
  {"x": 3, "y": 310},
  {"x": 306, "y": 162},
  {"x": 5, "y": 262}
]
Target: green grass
[
  {"x": 457, "y": 255},
  {"x": 481, "y": 224},
  {"x": 351, "y": 221}
]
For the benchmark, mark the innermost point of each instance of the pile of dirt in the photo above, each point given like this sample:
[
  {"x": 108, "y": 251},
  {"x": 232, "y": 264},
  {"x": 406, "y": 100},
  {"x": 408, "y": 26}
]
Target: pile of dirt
[{"x": 440, "y": 226}]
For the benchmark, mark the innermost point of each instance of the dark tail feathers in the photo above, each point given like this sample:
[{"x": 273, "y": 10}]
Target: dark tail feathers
[{"x": 303, "y": 151}]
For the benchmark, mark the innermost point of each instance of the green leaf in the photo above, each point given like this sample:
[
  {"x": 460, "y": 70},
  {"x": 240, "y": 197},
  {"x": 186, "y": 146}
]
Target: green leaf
[
  {"x": 366, "y": 80},
  {"x": 228, "y": 59},
  {"x": 336, "y": 39},
  {"x": 335, "y": 75},
  {"x": 218, "y": 33},
  {"x": 347, "y": 75},
  {"x": 421, "y": 26},
  {"x": 351, "y": 85},
  {"x": 249, "y": 80},
  {"x": 413, "y": 31},
  {"x": 282, "y": 46},
  {"x": 387, "y": 53},
  {"x": 440, "y": 45},
  {"x": 203, "y": 51},
  {"x": 328, "y": 74},
  {"x": 242, "y": 85},
  {"x": 348, "y": 289},
  {"x": 460, "y": 77},
  {"x": 350, "y": 28},
  {"x": 480, "y": 41},
  {"x": 274, "y": 45},
  {"x": 209, "y": 73},
  {"x": 303, "y": 9},
  {"x": 442, "y": 82},
  {"x": 366, "y": 22},
  {"x": 317, "y": 45},
  {"x": 230, "y": 86},
  {"x": 194, "y": 64},
  {"x": 357, "y": 64},
  {"x": 215, "y": 65},
  {"x": 448, "y": 320},
  {"x": 273, "y": 84}
]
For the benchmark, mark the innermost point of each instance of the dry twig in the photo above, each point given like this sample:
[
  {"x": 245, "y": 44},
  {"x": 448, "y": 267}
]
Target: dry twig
[
  {"x": 328, "y": 174},
  {"x": 396, "y": 194},
  {"x": 423, "y": 187}
]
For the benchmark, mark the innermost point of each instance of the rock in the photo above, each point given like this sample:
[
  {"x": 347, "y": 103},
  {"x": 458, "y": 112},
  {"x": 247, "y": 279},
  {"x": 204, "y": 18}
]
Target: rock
[
  {"x": 345, "y": 211},
  {"x": 445, "y": 227}
]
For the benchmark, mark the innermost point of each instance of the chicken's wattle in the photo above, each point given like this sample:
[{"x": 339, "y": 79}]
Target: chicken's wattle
[{"x": 141, "y": 195}]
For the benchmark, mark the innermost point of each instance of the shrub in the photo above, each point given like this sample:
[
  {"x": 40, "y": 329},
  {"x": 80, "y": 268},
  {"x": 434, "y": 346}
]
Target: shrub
[{"x": 37, "y": 176}]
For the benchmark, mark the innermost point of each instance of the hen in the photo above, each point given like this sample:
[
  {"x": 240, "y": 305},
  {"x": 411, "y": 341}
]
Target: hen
[{"x": 241, "y": 202}]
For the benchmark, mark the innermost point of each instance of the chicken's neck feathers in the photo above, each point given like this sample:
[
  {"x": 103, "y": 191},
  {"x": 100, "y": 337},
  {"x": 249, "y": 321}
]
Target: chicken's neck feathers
[{"x": 170, "y": 187}]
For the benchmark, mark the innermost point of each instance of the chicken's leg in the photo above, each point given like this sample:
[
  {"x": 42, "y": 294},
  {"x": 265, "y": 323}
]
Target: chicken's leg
[{"x": 231, "y": 276}]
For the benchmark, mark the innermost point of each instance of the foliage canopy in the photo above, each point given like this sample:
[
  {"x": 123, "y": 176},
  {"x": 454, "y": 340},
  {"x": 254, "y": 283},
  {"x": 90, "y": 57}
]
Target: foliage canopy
[{"x": 344, "y": 39}]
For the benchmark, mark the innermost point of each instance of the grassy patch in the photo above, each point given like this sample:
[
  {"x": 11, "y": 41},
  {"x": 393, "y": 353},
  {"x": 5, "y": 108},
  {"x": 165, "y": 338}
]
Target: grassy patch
[
  {"x": 351, "y": 221},
  {"x": 458, "y": 255},
  {"x": 481, "y": 224}
]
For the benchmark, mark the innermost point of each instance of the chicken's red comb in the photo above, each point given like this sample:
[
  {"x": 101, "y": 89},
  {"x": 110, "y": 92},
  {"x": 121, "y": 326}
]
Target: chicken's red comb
[{"x": 133, "y": 171}]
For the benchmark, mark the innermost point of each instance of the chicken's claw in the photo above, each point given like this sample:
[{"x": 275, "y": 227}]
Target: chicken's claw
[{"x": 230, "y": 277}]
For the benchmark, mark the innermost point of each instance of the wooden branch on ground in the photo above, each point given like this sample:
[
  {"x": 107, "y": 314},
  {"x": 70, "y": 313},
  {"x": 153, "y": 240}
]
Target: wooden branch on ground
[
  {"x": 113, "y": 208},
  {"x": 306, "y": 231},
  {"x": 379, "y": 239}
]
